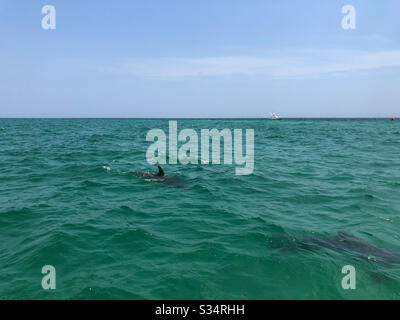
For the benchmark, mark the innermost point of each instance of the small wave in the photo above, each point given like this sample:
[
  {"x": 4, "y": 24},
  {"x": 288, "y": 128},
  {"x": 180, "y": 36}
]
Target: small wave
[
  {"x": 89, "y": 183},
  {"x": 97, "y": 292}
]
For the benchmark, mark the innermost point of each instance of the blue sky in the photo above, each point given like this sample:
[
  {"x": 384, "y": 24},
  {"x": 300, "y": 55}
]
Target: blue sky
[{"x": 222, "y": 58}]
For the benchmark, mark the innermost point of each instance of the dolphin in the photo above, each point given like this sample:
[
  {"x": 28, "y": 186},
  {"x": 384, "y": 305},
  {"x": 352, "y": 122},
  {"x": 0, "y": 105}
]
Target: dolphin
[
  {"x": 160, "y": 177},
  {"x": 148, "y": 175},
  {"x": 345, "y": 242}
]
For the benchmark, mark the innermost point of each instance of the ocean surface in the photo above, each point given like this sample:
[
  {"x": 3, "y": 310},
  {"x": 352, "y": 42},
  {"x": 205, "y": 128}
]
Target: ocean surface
[{"x": 324, "y": 194}]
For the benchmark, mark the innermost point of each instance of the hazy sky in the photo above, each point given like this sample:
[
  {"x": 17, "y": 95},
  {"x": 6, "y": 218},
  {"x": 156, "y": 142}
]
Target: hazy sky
[{"x": 189, "y": 58}]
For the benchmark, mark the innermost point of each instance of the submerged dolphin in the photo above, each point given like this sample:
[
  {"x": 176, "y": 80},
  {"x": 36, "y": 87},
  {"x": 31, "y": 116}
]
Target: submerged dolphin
[
  {"x": 160, "y": 177},
  {"x": 346, "y": 242}
]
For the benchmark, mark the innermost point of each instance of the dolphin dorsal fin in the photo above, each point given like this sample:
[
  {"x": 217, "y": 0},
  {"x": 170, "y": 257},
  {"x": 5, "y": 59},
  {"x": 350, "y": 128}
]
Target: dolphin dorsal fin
[{"x": 160, "y": 172}]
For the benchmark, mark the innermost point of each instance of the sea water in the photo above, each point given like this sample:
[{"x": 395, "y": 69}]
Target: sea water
[{"x": 67, "y": 200}]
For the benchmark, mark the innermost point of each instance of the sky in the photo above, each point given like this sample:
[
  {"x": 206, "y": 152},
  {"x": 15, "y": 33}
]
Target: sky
[{"x": 199, "y": 59}]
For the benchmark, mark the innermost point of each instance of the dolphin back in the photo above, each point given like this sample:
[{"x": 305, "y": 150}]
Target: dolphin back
[{"x": 160, "y": 172}]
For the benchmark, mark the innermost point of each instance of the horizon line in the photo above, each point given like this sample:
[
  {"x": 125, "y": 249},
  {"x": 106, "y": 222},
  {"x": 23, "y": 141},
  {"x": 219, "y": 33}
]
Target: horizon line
[{"x": 198, "y": 118}]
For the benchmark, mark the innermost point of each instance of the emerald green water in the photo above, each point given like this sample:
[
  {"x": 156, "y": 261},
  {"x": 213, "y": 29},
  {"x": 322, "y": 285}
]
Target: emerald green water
[{"x": 67, "y": 200}]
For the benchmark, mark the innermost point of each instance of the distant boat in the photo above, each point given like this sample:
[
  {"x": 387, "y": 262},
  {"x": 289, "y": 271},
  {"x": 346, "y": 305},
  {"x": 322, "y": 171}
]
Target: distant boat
[{"x": 274, "y": 116}]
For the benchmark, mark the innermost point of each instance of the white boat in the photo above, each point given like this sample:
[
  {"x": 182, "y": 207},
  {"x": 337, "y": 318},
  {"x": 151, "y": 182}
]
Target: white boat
[{"x": 274, "y": 116}]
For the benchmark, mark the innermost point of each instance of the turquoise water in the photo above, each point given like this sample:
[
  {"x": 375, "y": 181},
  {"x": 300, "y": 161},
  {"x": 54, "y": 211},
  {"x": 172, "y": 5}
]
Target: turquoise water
[{"x": 67, "y": 200}]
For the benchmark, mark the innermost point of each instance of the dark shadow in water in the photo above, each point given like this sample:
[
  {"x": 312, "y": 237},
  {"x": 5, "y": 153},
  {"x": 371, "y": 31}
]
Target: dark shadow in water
[{"x": 344, "y": 242}]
